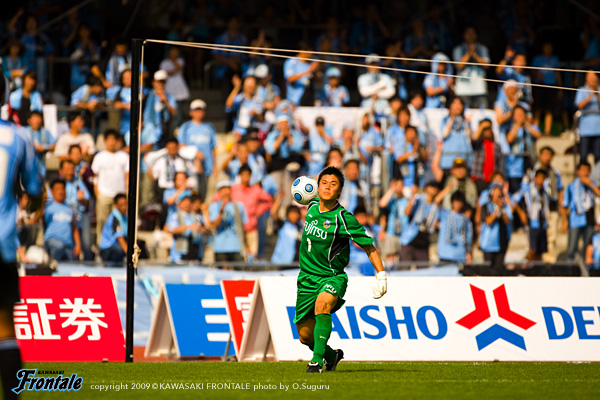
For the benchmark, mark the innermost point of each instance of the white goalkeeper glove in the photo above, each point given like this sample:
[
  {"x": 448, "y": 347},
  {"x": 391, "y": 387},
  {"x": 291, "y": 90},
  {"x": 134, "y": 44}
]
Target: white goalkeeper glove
[{"x": 381, "y": 288}]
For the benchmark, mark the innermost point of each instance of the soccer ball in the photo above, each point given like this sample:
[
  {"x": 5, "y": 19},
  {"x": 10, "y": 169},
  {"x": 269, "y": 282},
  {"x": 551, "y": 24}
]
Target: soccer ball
[{"x": 304, "y": 189}]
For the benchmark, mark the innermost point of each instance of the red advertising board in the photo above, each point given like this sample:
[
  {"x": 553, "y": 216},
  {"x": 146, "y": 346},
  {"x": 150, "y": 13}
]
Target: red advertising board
[
  {"x": 68, "y": 319},
  {"x": 238, "y": 298}
]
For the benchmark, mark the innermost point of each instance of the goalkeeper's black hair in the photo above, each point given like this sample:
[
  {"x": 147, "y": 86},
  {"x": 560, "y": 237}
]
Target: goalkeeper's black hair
[{"x": 332, "y": 171}]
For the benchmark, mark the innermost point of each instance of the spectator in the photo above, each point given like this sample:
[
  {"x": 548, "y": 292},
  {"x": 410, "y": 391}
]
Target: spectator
[
  {"x": 358, "y": 257},
  {"x": 42, "y": 139},
  {"x": 165, "y": 163},
  {"x": 418, "y": 117},
  {"x": 532, "y": 204},
  {"x": 255, "y": 201},
  {"x": 511, "y": 67},
  {"x": 487, "y": 155},
  {"x": 578, "y": 205},
  {"x": 14, "y": 64},
  {"x": 422, "y": 215},
  {"x": 61, "y": 237},
  {"x": 546, "y": 100},
  {"x": 176, "y": 85},
  {"x": 238, "y": 156},
  {"x": 113, "y": 242},
  {"x": 458, "y": 173},
  {"x": 268, "y": 93},
  {"x": 335, "y": 158},
  {"x": 203, "y": 137},
  {"x": 437, "y": 85},
  {"x": 356, "y": 192},
  {"x": 119, "y": 62},
  {"x": 245, "y": 106},
  {"x": 375, "y": 87},
  {"x": 256, "y": 161},
  {"x": 505, "y": 105},
  {"x": 28, "y": 223},
  {"x": 288, "y": 238},
  {"x": 82, "y": 167},
  {"x": 319, "y": 142},
  {"x": 229, "y": 63},
  {"x": 172, "y": 197},
  {"x": 370, "y": 144},
  {"x": 411, "y": 157},
  {"x": 22, "y": 102},
  {"x": 348, "y": 144},
  {"x": 84, "y": 51},
  {"x": 334, "y": 94},
  {"x": 394, "y": 203},
  {"x": 471, "y": 87},
  {"x": 298, "y": 73},
  {"x": 592, "y": 253},
  {"x": 122, "y": 101},
  {"x": 38, "y": 48},
  {"x": 368, "y": 33},
  {"x": 419, "y": 44},
  {"x": 185, "y": 229},
  {"x": 89, "y": 97},
  {"x": 395, "y": 134},
  {"x": 78, "y": 198},
  {"x": 496, "y": 221},
  {"x": 282, "y": 147},
  {"x": 520, "y": 142},
  {"x": 227, "y": 218},
  {"x": 554, "y": 188},
  {"x": 589, "y": 122},
  {"x": 391, "y": 113},
  {"x": 484, "y": 195},
  {"x": 75, "y": 137},
  {"x": 111, "y": 167},
  {"x": 332, "y": 35},
  {"x": 160, "y": 108},
  {"x": 455, "y": 238},
  {"x": 456, "y": 133},
  {"x": 200, "y": 214}
]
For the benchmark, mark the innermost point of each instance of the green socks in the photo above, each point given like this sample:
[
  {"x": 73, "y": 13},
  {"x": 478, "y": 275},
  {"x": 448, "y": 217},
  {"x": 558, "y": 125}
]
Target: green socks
[{"x": 322, "y": 332}]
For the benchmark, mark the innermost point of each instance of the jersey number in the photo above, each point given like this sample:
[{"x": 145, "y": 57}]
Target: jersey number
[{"x": 309, "y": 244}]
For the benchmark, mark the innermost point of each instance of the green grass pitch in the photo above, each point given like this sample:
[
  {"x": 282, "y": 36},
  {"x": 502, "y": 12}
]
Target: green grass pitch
[{"x": 364, "y": 380}]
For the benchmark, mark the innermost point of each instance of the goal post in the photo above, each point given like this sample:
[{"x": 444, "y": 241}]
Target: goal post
[{"x": 134, "y": 163}]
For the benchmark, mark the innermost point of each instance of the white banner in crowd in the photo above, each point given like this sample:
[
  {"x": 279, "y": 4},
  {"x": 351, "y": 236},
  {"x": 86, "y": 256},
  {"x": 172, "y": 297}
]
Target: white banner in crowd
[
  {"x": 337, "y": 117},
  {"x": 438, "y": 319}
]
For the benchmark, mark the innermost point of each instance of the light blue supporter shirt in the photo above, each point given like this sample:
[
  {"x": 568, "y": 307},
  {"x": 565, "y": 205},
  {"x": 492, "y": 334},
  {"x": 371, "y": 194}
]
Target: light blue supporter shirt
[
  {"x": 58, "y": 218},
  {"x": 202, "y": 136},
  {"x": 44, "y": 138},
  {"x": 285, "y": 249},
  {"x": 226, "y": 239},
  {"x": 457, "y": 144},
  {"x": 454, "y": 251},
  {"x": 589, "y": 122},
  {"x": 295, "y": 90}
]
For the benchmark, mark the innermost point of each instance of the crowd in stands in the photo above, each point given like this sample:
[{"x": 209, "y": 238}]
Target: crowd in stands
[{"x": 465, "y": 185}]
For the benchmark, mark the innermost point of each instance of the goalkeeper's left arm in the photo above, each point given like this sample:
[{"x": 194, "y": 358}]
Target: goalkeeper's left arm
[{"x": 381, "y": 277}]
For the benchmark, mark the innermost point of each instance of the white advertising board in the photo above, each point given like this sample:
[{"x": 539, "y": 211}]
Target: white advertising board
[{"x": 439, "y": 319}]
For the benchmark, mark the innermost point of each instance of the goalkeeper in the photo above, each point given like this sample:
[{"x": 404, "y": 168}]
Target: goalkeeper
[{"x": 324, "y": 253}]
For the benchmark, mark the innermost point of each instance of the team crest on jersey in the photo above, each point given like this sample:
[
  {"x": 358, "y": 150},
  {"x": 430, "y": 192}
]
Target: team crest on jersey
[{"x": 326, "y": 224}]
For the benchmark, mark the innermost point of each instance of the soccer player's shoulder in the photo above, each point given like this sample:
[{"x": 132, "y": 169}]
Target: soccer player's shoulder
[{"x": 313, "y": 202}]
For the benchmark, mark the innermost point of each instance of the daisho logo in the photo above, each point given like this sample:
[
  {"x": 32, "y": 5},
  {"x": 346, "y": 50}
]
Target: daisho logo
[
  {"x": 29, "y": 381},
  {"x": 496, "y": 331}
]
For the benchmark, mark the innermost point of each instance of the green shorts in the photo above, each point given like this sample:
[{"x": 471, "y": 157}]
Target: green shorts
[{"x": 309, "y": 287}]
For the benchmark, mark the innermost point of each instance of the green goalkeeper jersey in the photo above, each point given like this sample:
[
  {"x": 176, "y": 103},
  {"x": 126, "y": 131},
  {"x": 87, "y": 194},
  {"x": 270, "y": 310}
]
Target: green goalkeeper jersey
[{"x": 325, "y": 246}]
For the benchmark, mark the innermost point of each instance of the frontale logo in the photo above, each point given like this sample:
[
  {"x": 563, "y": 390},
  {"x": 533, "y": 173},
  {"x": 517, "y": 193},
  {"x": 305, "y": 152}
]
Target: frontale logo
[
  {"x": 30, "y": 382},
  {"x": 496, "y": 331}
]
